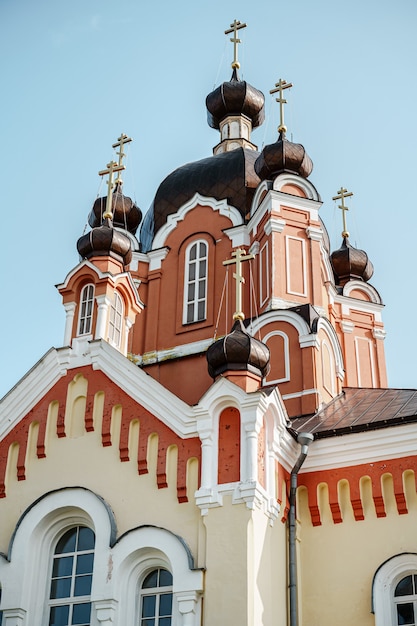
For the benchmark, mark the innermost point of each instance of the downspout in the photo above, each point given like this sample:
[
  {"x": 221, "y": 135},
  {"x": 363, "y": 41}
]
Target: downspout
[{"x": 304, "y": 439}]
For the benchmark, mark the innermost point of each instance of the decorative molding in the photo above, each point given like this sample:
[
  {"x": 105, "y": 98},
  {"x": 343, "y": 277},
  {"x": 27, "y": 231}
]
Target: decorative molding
[
  {"x": 238, "y": 235},
  {"x": 156, "y": 257},
  {"x": 274, "y": 225},
  {"x": 197, "y": 200}
]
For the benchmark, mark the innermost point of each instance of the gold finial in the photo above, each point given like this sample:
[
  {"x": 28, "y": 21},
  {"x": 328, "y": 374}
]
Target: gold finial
[
  {"x": 240, "y": 255},
  {"x": 235, "y": 40},
  {"x": 111, "y": 168},
  {"x": 341, "y": 195},
  {"x": 119, "y": 144},
  {"x": 280, "y": 86}
]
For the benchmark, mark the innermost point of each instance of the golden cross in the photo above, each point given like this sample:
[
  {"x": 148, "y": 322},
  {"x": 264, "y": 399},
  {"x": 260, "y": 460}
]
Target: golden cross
[
  {"x": 235, "y": 40},
  {"x": 240, "y": 255},
  {"x": 341, "y": 195},
  {"x": 111, "y": 168},
  {"x": 280, "y": 86},
  {"x": 120, "y": 143}
]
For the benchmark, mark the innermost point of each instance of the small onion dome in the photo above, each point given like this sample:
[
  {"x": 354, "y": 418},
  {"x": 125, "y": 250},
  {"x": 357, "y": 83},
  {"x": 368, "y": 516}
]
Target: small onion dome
[
  {"x": 238, "y": 351},
  {"x": 126, "y": 214},
  {"x": 283, "y": 156},
  {"x": 235, "y": 97},
  {"x": 105, "y": 241},
  {"x": 349, "y": 263}
]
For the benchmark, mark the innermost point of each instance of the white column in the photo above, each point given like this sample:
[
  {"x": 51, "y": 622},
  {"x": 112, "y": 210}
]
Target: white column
[
  {"x": 128, "y": 326},
  {"x": 69, "y": 321},
  {"x": 187, "y": 605},
  {"x": 206, "y": 460},
  {"x": 251, "y": 454},
  {"x": 103, "y": 304},
  {"x": 105, "y": 612},
  {"x": 14, "y": 617}
]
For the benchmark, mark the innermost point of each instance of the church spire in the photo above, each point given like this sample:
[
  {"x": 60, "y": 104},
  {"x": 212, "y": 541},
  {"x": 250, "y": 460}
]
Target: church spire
[
  {"x": 280, "y": 86},
  {"x": 341, "y": 195},
  {"x": 234, "y": 27}
]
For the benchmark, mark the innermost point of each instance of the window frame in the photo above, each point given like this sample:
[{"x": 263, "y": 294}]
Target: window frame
[
  {"x": 71, "y": 599},
  {"x": 188, "y": 281},
  {"x": 156, "y": 591},
  {"x": 115, "y": 325},
  {"x": 86, "y": 318}
]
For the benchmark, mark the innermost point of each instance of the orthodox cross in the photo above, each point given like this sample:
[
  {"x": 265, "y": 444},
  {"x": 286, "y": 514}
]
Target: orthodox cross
[
  {"x": 240, "y": 255},
  {"x": 121, "y": 141},
  {"x": 111, "y": 168},
  {"x": 341, "y": 195},
  {"x": 235, "y": 40},
  {"x": 279, "y": 87}
]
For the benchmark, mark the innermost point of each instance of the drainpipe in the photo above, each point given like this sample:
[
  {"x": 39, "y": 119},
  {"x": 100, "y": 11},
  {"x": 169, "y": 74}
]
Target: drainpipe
[{"x": 304, "y": 439}]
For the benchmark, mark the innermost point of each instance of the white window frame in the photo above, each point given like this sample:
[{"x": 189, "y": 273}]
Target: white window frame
[
  {"x": 157, "y": 591},
  {"x": 71, "y": 600},
  {"x": 115, "y": 329},
  {"x": 384, "y": 583},
  {"x": 195, "y": 282},
  {"x": 85, "y": 317}
]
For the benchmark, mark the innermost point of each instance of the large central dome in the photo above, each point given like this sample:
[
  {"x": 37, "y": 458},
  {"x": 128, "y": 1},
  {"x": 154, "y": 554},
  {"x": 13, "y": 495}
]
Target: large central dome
[{"x": 230, "y": 175}]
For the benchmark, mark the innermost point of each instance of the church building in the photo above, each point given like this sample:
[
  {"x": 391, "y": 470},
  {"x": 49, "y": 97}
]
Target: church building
[{"x": 215, "y": 441}]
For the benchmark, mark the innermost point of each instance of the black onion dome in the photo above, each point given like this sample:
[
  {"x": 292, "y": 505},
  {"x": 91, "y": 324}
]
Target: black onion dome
[
  {"x": 105, "y": 241},
  {"x": 283, "y": 156},
  {"x": 238, "y": 351},
  {"x": 349, "y": 263},
  {"x": 126, "y": 214},
  {"x": 236, "y": 97},
  {"x": 229, "y": 175}
]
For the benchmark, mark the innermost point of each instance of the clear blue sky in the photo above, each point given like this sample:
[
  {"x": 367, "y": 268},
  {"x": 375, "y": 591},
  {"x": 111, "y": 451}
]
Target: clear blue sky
[{"x": 76, "y": 74}]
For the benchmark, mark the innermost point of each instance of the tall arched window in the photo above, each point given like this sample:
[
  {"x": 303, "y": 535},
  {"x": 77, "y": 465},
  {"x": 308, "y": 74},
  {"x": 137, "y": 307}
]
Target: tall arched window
[
  {"x": 86, "y": 310},
  {"x": 115, "y": 321},
  {"x": 156, "y": 599},
  {"x": 72, "y": 573},
  {"x": 405, "y": 600},
  {"x": 195, "y": 283}
]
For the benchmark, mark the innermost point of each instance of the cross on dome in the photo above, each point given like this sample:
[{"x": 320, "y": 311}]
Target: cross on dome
[
  {"x": 121, "y": 141},
  {"x": 279, "y": 87},
  {"x": 111, "y": 168},
  {"x": 240, "y": 255},
  {"x": 234, "y": 27},
  {"x": 341, "y": 195}
]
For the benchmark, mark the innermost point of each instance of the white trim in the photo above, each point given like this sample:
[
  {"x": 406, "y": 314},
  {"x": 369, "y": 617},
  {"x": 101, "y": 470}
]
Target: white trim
[
  {"x": 264, "y": 254},
  {"x": 280, "y": 315},
  {"x": 292, "y": 179},
  {"x": 383, "y": 585},
  {"x": 361, "y": 383},
  {"x": 197, "y": 200},
  {"x": 238, "y": 235},
  {"x": 156, "y": 257},
  {"x": 112, "y": 278},
  {"x": 274, "y": 225},
  {"x": 353, "y": 449},
  {"x": 374, "y": 304},
  {"x": 185, "y": 349},
  {"x": 287, "y": 365}
]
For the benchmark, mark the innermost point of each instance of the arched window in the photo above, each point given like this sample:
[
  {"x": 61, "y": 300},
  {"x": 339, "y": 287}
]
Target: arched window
[
  {"x": 115, "y": 321},
  {"x": 394, "y": 591},
  {"x": 195, "y": 284},
  {"x": 405, "y": 600},
  {"x": 86, "y": 310},
  {"x": 71, "y": 578},
  {"x": 156, "y": 599}
]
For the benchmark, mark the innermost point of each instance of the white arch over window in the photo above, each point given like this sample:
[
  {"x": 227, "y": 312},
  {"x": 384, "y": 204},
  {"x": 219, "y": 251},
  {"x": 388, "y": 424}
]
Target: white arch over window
[
  {"x": 116, "y": 321},
  {"x": 287, "y": 371},
  {"x": 119, "y": 567},
  {"x": 195, "y": 282},
  {"x": 85, "y": 318},
  {"x": 384, "y": 584}
]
